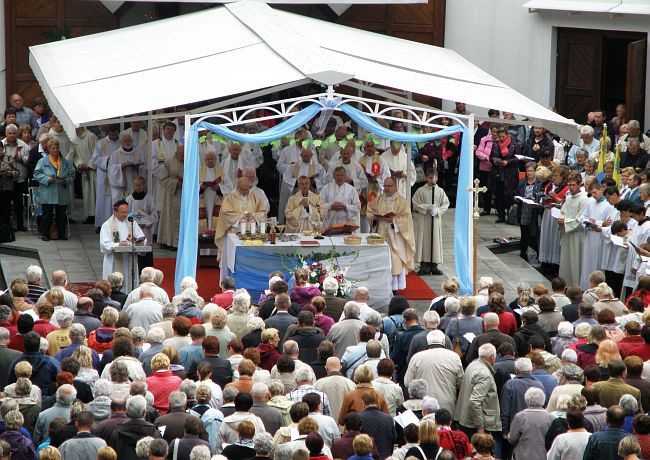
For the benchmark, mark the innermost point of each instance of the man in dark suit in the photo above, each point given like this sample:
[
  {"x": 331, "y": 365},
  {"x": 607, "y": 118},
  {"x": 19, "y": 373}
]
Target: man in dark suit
[
  {"x": 491, "y": 335},
  {"x": 7, "y": 356},
  {"x": 282, "y": 319},
  {"x": 268, "y": 309}
]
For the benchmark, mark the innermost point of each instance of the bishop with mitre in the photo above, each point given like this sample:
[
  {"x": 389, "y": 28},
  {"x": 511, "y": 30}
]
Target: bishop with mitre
[
  {"x": 237, "y": 205},
  {"x": 304, "y": 208},
  {"x": 389, "y": 215}
]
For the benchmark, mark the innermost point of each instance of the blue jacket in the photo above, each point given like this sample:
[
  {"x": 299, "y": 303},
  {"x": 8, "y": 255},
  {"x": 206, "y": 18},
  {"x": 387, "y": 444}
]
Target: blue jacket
[
  {"x": 191, "y": 354},
  {"x": 53, "y": 193},
  {"x": 547, "y": 380},
  {"x": 44, "y": 369},
  {"x": 512, "y": 397},
  {"x": 604, "y": 444}
]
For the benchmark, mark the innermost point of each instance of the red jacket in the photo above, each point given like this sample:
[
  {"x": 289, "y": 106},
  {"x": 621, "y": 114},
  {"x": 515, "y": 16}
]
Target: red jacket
[
  {"x": 161, "y": 384},
  {"x": 642, "y": 351},
  {"x": 455, "y": 441},
  {"x": 269, "y": 355},
  {"x": 626, "y": 344},
  {"x": 507, "y": 323},
  {"x": 224, "y": 300},
  {"x": 644, "y": 295},
  {"x": 43, "y": 327}
]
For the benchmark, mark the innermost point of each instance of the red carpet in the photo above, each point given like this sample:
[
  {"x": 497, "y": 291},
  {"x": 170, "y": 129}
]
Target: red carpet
[{"x": 208, "y": 281}]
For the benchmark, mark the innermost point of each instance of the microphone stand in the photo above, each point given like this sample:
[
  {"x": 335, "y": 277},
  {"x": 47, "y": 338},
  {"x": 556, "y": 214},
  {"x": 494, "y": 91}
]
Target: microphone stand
[{"x": 130, "y": 219}]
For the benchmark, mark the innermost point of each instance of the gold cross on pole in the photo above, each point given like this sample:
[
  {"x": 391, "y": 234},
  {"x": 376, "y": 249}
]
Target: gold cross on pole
[{"x": 476, "y": 190}]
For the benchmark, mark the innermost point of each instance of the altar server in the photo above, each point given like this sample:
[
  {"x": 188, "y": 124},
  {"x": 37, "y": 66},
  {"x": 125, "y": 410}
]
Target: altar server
[
  {"x": 573, "y": 233},
  {"x": 125, "y": 164},
  {"x": 401, "y": 168},
  {"x": 341, "y": 201},
  {"x": 429, "y": 203},
  {"x": 210, "y": 183},
  {"x": 303, "y": 208},
  {"x": 117, "y": 231},
  {"x": 596, "y": 211},
  {"x": 235, "y": 206},
  {"x": 390, "y": 216},
  {"x": 81, "y": 156},
  {"x": 171, "y": 183},
  {"x": 101, "y": 155},
  {"x": 640, "y": 235},
  {"x": 143, "y": 208}
]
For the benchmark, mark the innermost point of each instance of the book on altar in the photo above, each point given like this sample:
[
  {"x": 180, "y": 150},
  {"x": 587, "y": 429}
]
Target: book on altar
[{"x": 341, "y": 229}]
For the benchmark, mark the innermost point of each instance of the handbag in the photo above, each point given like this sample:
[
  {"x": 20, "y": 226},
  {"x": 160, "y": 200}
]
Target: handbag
[{"x": 458, "y": 346}]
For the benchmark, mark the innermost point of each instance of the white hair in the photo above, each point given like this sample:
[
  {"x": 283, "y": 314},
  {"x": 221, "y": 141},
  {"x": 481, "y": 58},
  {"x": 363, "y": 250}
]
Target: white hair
[
  {"x": 43, "y": 345},
  {"x": 64, "y": 317},
  {"x": 147, "y": 290},
  {"x": 373, "y": 318},
  {"x": 147, "y": 275},
  {"x": 452, "y": 304},
  {"x": 156, "y": 335},
  {"x": 241, "y": 302},
  {"x": 4, "y": 333},
  {"x": 142, "y": 447},
  {"x": 487, "y": 350},
  {"x": 138, "y": 334},
  {"x": 263, "y": 443},
  {"x": 255, "y": 323},
  {"x": 303, "y": 374},
  {"x": 485, "y": 281},
  {"x": 66, "y": 394},
  {"x": 177, "y": 399},
  {"x": 200, "y": 453},
  {"x": 588, "y": 130},
  {"x": 77, "y": 331},
  {"x": 629, "y": 404},
  {"x": 190, "y": 295},
  {"x": 633, "y": 124},
  {"x": 431, "y": 316},
  {"x": 491, "y": 318},
  {"x": 569, "y": 356},
  {"x": 523, "y": 366},
  {"x": 273, "y": 280},
  {"x": 352, "y": 310},
  {"x": 136, "y": 406},
  {"x": 429, "y": 405},
  {"x": 188, "y": 282},
  {"x": 158, "y": 276},
  {"x": 535, "y": 397},
  {"x": 208, "y": 310},
  {"x": 330, "y": 285},
  {"x": 34, "y": 273},
  {"x": 260, "y": 389},
  {"x": 418, "y": 388},
  {"x": 102, "y": 387},
  {"x": 565, "y": 328}
]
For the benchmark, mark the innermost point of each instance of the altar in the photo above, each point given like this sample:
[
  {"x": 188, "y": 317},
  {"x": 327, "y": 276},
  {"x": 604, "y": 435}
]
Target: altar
[{"x": 368, "y": 264}]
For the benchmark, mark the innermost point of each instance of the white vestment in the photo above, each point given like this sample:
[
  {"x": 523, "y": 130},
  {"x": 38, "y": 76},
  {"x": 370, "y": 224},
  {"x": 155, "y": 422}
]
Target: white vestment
[
  {"x": 289, "y": 157},
  {"x": 640, "y": 235},
  {"x": 401, "y": 162},
  {"x": 82, "y": 153},
  {"x": 353, "y": 170},
  {"x": 375, "y": 185},
  {"x": 114, "y": 229},
  {"x": 161, "y": 149},
  {"x": 210, "y": 195},
  {"x": 140, "y": 138},
  {"x": 101, "y": 155},
  {"x": 345, "y": 194},
  {"x": 145, "y": 214},
  {"x": 429, "y": 204},
  {"x": 592, "y": 251},
  {"x": 122, "y": 180},
  {"x": 572, "y": 237},
  {"x": 233, "y": 169}
]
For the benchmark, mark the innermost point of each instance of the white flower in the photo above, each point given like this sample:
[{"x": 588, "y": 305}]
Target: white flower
[{"x": 313, "y": 274}]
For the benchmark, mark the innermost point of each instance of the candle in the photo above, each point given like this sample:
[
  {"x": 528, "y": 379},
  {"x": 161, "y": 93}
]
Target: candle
[
  {"x": 262, "y": 227},
  {"x": 242, "y": 227},
  {"x": 252, "y": 227}
]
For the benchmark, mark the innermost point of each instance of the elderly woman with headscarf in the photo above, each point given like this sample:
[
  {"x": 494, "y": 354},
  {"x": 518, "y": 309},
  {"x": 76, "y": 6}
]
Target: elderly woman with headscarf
[
  {"x": 529, "y": 427},
  {"x": 239, "y": 317},
  {"x": 570, "y": 384},
  {"x": 61, "y": 337},
  {"x": 100, "y": 406},
  {"x": 607, "y": 319}
]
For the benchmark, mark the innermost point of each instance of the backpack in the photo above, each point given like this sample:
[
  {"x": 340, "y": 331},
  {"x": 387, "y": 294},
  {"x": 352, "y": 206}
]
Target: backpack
[
  {"x": 211, "y": 419},
  {"x": 397, "y": 330}
]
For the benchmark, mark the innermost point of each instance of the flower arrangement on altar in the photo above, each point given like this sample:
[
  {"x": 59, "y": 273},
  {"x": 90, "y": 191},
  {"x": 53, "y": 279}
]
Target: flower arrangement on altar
[{"x": 322, "y": 265}]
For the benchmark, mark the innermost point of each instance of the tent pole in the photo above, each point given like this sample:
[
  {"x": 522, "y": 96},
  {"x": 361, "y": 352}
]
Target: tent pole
[{"x": 149, "y": 158}]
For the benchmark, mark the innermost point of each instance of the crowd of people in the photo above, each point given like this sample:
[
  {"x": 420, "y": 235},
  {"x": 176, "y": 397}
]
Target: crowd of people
[{"x": 558, "y": 373}]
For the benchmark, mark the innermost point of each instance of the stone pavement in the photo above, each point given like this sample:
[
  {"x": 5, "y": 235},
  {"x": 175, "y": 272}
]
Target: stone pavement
[{"x": 81, "y": 259}]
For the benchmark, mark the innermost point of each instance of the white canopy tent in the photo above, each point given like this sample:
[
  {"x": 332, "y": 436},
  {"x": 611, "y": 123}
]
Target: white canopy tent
[{"x": 246, "y": 46}]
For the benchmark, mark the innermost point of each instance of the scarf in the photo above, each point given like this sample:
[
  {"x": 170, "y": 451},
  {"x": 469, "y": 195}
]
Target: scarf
[
  {"x": 295, "y": 169},
  {"x": 57, "y": 164},
  {"x": 139, "y": 195},
  {"x": 503, "y": 146}
]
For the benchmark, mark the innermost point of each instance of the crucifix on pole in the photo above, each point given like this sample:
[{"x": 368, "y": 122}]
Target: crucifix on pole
[{"x": 475, "y": 190}]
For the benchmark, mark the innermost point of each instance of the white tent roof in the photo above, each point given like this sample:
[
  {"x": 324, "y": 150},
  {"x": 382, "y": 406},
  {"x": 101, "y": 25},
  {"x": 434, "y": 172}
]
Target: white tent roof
[{"x": 246, "y": 46}]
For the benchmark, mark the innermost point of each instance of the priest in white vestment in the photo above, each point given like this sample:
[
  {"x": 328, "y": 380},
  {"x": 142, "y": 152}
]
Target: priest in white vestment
[
  {"x": 210, "y": 182},
  {"x": 356, "y": 176},
  {"x": 304, "y": 209},
  {"x": 597, "y": 211},
  {"x": 101, "y": 155},
  {"x": 251, "y": 175},
  {"x": 572, "y": 231},
  {"x": 235, "y": 159},
  {"x": 237, "y": 205},
  {"x": 118, "y": 231},
  {"x": 430, "y": 202},
  {"x": 171, "y": 183},
  {"x": 341, "y": 201},
  {"x": 377, "y": 171},
  {"x": 401, "y": 168},
  {"x": 81, "y": 156},
  {"x": 125, "y": 164},
  {"x": 162, "y": 148},
  {"x": 340, "y": 134},
  {"x": 390, "y": 216},
  {"x": 138, "y": 134},
  {"x": 292, "y": 168},
  {"x": 640, "y": 235}
]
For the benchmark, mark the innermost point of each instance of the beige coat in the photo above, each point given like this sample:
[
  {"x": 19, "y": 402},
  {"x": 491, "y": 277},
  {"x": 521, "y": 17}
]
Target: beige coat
[
  {"x": 478, "y": 402},
  {"x": 443, "y": 371},
  {"x": 343, "y": 334},
  {"x": 335, "y": 386}
]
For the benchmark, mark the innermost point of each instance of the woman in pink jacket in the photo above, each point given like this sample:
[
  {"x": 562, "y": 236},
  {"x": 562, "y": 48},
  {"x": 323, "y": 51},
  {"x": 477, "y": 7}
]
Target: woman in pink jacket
[
  {"x": 162, "y": 382},
  {"x": 483, "y": 154}
]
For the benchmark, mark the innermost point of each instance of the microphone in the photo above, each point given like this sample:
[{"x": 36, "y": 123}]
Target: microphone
[{"x": 130, "y": 216}]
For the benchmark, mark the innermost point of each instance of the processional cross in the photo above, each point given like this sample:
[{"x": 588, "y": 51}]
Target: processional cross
[{"x": 476, "y": 190}]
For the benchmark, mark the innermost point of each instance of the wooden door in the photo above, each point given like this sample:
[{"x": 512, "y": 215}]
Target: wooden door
[
  {"x": 579, "y": 72},
  {"x": 635, "y": 84}
]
